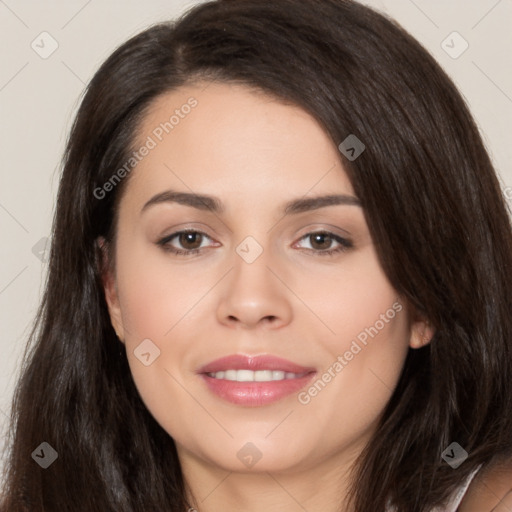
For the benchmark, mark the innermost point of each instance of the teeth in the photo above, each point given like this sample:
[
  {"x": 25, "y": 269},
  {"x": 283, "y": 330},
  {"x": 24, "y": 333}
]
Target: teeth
[
  {"x": 229, "y": 375},
  {"x": 257, "y": 376}
]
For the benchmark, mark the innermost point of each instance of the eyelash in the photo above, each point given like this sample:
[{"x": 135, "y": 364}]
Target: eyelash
[{"x": 345, "y": 244}]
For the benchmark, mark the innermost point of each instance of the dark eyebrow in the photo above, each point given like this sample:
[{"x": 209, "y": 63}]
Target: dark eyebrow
[
  {"x": 199, "y": 201},
  {"x": 204, "y": 202},
  {"x": 312, "y": 203}
]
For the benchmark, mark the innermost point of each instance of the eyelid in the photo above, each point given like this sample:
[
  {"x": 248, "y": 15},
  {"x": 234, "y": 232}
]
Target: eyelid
[{"x": 315, "y": 227}]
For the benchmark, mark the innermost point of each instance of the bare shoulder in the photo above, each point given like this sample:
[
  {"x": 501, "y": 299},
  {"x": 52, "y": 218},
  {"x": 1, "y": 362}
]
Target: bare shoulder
[{"x": 490, "y": 490}]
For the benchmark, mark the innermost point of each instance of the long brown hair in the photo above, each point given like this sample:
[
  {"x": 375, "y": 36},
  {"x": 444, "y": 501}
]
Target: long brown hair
[{"x": 432, "y": 202}]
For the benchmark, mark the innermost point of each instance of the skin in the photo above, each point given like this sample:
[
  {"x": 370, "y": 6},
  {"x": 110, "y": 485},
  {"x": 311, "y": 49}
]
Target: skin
[
  {"x": 254, "y": 154},
  {"x": 491, "y": 490}
]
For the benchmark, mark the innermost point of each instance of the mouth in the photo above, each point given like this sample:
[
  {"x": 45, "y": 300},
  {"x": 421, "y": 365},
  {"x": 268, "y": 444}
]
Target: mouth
[
  {"x": 254, "y": 381},
  {"x": 255, "y": 376}
]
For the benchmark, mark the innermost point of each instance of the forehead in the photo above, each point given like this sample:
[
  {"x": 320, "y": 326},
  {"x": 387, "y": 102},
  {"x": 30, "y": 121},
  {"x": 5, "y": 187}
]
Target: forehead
[{"x": 218, "y": 138}]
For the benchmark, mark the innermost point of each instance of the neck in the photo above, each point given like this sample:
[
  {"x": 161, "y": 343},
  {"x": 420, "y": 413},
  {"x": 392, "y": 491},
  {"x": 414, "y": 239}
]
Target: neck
[{"x": 319, "y": 488}]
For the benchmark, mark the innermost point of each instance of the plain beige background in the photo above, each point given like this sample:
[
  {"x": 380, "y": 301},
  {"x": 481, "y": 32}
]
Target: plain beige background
[{"x": 39, "y": 94}]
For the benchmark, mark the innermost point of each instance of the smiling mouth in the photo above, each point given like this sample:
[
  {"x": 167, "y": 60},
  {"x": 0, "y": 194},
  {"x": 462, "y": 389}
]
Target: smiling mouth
[
  {"x": 254, "y": 380},
  {"x": 255, "y": 376}
]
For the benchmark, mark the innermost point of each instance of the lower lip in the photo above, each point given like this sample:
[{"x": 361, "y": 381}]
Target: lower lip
[{"x": 254, "y": 394}]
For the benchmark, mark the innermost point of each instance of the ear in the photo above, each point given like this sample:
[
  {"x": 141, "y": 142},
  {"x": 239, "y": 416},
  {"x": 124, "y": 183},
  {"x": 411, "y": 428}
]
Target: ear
[
  {"x": 110, "y": 288},
  {"x": 422, "y": 331}
]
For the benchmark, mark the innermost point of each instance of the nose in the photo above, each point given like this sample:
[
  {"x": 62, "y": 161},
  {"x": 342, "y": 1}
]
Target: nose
[{"x": 252, "y": 295}]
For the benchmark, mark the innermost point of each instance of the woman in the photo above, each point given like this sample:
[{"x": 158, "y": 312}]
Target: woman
[{"x": 279, "y": 279}]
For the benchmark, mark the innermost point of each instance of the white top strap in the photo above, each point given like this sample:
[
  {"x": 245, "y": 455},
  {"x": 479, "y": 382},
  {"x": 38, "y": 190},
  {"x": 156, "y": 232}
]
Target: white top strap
[{"x": 455, "y": 498}]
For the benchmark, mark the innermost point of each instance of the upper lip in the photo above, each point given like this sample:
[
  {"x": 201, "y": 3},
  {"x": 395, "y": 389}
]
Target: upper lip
[{"x": 246, "y": 362}]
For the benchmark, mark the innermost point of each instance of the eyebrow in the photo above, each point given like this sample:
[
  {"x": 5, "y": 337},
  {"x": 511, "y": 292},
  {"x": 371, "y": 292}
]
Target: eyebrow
[{"x": 213, "y": 204}]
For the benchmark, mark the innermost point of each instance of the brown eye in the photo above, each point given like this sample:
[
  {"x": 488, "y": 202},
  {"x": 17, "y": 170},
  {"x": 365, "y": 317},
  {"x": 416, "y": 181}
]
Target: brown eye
[
  {"x": 185, "y": 242},
  {"x": 323, "y": 243},
  {"x": 320, "y": 241},
  {"x": 190, "y": 240}
]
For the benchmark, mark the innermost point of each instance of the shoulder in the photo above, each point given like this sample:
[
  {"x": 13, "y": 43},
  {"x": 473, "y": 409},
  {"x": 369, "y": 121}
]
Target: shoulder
[{"x": 490, "y": 490}]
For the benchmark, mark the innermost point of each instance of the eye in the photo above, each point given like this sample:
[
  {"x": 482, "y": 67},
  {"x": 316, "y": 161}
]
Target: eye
[
  {"x": 321, "y": 243},
  {"x": 189, "y": 241}
]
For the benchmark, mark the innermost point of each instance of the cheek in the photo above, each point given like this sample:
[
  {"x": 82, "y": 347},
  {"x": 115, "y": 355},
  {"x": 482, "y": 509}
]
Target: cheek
[
  {"x": 157, "y": 303},
  {"x": 155, "y": 293},
  {"x": 354, "y": 302},
  {"x": 364, "y": 342},
  {"x": 160, "y": 302}
]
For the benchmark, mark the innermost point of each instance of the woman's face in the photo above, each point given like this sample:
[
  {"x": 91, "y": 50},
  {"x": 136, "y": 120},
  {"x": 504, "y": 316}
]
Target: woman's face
[{"x": 275, "y": 271}]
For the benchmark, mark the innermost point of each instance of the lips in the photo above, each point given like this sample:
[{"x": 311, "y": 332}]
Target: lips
[
  {"x": 253, "y": 381},
  {"x": 254, "y": 363}
]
